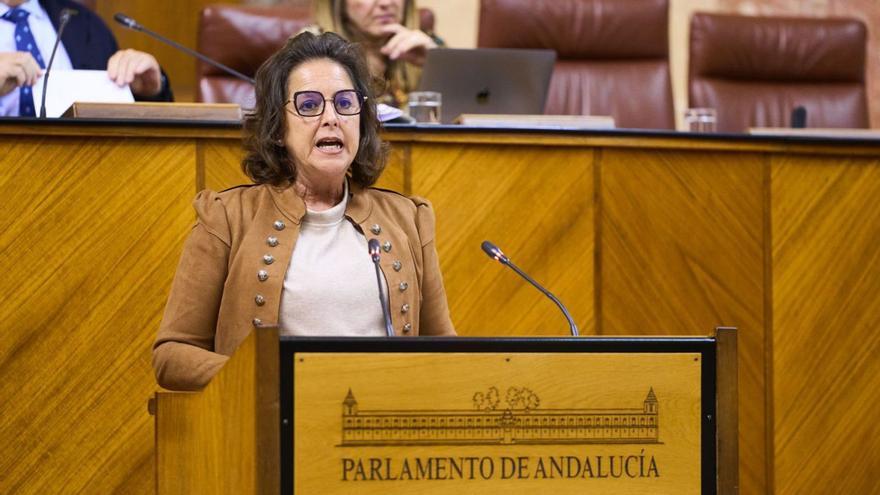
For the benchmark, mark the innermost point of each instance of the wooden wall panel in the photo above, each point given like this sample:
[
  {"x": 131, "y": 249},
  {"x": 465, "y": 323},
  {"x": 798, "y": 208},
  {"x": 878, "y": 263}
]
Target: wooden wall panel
[
  {"x": 826, "y": 282},
  {"x": 90, "y": 235},
  {"x": 397, "y": 170},
  {"x": 220, "y": 166},
  {"x": 681, "y": 252},
  {"x": 536, "y": 204},
  {"x": 91, "y": 224}
]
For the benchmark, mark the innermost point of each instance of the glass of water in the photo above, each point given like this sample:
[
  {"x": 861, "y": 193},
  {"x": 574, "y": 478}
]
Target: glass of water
[
  {"x": 424, "y": 106},
  {"x": 701, "y": 120}
]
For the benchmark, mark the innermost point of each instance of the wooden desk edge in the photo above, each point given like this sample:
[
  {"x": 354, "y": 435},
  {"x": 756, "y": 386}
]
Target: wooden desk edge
[
  {"x": 451, "y": 135},
  {"x": 727, "y": 411}
]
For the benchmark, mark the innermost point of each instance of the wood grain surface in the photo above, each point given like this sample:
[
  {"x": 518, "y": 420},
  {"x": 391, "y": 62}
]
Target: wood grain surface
[
  {"x": 220, "y": 165},
  {"x": 636, "y": 234},
  {"x": 210, "y": 441},
  {"x": 826, "y": 282},
  {"x": 534, "y": 203},
  {"x": 681, "y": 252},
  {"x": 573, "y": 386},
  {"x": 90, "y": 234}
]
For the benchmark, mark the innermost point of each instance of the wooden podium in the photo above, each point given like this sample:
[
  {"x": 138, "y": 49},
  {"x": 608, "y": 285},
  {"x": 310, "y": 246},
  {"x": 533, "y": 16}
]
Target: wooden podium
[{"x": 457, "y": 415}]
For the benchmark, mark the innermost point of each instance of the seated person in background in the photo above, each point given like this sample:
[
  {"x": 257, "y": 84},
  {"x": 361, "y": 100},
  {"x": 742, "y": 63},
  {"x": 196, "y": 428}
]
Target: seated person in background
[
  {"x": 291, "y": 250},
  {"x": 27, "y": 35},
  {"x": 388, "y": 31}
]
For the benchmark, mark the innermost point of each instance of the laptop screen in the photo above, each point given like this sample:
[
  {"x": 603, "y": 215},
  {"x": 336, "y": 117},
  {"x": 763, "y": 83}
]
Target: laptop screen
[{"x": 488, "y": 80}]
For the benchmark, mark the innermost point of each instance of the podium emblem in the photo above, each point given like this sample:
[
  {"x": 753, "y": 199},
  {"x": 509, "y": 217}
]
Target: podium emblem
[{"x": 518, "y": 419}]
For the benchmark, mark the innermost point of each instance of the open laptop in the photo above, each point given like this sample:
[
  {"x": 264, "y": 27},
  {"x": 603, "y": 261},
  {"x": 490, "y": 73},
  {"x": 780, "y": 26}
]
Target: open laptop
[{"x": 488, "y": 80}]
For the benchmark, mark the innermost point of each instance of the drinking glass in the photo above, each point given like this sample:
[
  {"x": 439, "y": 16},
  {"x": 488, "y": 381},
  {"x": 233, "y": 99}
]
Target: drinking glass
[
  {"x": 425, "y": 106},
  {"x": 701, "y": 120}
]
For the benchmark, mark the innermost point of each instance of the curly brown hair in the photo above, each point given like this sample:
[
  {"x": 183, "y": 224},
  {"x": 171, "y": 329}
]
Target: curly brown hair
[{"x": 266, "y": 159}]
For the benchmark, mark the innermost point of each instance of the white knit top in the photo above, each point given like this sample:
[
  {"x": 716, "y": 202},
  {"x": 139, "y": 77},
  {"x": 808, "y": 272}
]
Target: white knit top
[{"x": 330, "y": 287}]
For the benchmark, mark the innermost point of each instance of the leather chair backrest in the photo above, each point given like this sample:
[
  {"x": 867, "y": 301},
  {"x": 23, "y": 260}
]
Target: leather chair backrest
[
  {"x": 243, "y": 37},
  {"x": 755, "y": 70},
  {"x": 612, "y": 55}
]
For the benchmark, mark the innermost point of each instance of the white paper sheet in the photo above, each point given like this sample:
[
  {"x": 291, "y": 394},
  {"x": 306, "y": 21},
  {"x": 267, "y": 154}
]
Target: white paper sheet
[
  {"x": 387, "y": 112},
  {"x": 68, "y": 86}
]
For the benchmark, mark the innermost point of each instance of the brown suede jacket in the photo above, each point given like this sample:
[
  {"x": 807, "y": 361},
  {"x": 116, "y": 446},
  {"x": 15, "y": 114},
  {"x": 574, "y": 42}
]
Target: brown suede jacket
[{"x": 232, "y": 270}]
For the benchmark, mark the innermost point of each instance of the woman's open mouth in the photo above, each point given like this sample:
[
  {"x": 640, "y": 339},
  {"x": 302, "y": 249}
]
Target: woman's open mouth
[{"x": 329, "y": 145}]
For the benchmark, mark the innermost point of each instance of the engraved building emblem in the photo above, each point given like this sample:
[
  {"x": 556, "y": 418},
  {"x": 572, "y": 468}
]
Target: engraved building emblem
[{"x": 518, "y": 421}]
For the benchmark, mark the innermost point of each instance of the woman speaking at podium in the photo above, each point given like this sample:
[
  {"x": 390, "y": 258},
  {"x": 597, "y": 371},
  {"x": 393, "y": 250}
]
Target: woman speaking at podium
[{"x": 291, "y": 249}]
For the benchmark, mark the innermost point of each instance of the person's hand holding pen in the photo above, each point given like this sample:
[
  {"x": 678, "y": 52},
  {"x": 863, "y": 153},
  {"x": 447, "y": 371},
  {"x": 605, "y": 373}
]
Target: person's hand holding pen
[{"x": 410, "y": 45}]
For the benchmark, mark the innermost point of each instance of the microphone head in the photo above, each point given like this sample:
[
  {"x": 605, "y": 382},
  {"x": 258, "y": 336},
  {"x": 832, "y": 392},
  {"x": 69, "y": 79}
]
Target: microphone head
[
  {"x": 126, "y": 21},
  {"x": 492, "y": 251},
  {"x": 66, "y": 14},
  {"x": 373, "y": 246},
  {"x": 799, "y": 118}
]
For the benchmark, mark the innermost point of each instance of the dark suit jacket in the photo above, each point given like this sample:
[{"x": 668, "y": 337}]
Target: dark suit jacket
[{"x": 90, "y": 43}]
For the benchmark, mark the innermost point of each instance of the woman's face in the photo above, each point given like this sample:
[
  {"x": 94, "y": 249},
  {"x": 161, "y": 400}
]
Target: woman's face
[
  {"x": 322, "y": 146},
  {"x": 369, "y": 16}
]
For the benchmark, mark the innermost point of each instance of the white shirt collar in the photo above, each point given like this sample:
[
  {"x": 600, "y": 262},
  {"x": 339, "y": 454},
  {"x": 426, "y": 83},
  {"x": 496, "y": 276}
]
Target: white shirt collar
[{"x": 32, "y": 7}]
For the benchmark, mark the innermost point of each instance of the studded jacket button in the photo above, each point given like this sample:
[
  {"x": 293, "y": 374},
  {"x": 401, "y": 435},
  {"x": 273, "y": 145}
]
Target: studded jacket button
[
  {"x": 407, "y": 328},
  {"x": 262, "y": 275},
  {"x": 387, "y": 246},
  {"x": 376, "y": 229},
  {"x": 272, "y": 241},
  {"x": 268, "y": 259},
  {"x": 404, "y": 308},
  {"x": 279, "y": 225},
  {"x": 403, "y": 286},
  {"x": 397, "y": 265},
  {"x": 259, "y": 299},
  {"x": 257, "y": 322}
]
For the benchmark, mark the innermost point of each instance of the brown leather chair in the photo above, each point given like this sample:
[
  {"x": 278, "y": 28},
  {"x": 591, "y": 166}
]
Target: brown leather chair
[
  {"x": 243, "y": 37},
  {"x": 755, "y": 70},
  {"x": 612, "y": 55}
]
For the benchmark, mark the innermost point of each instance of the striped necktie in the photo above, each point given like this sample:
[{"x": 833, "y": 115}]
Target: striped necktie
[{"x": 24, "y": 42}]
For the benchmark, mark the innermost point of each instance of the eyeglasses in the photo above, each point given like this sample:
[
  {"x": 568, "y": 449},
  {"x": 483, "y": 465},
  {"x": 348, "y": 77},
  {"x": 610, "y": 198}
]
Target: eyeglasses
[{"x": 311, "y": 103}]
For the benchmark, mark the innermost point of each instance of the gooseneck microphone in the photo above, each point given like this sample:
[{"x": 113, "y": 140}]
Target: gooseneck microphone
[
  {"x": 493, "y": 252},
  {"x": 132, "y": 24},
  {"x": 373, "y": 245},
  {"x": 66, "y": 14}
]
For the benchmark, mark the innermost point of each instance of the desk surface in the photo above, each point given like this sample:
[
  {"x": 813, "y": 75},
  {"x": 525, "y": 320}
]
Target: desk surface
[{"x": 859, "y": 142}]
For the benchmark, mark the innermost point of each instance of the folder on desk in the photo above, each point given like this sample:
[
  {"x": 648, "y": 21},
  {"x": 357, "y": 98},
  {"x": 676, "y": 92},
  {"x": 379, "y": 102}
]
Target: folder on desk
[{"x": 200, "y": 112}]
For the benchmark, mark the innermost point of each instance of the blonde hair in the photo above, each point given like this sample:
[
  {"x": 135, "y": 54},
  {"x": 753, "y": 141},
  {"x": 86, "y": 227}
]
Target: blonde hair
[
  {"x": 330, "y": 16},
  {"x": 400, "y": 77}
]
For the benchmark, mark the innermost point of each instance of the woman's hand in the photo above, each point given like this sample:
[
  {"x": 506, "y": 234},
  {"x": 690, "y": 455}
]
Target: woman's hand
[
  {"x": 409, "y": 45},
  {"x": 17, "y": 69},
  {"x": 138, "y": 69}
]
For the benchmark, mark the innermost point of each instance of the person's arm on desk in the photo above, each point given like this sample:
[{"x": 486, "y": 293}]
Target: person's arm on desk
[{"x": 183, "y": 354}]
